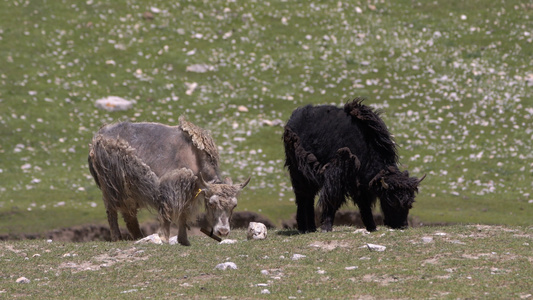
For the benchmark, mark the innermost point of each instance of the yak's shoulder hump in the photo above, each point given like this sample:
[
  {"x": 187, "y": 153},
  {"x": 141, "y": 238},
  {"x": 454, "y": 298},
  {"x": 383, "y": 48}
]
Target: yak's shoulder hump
[{"x": 200, "y": 137}]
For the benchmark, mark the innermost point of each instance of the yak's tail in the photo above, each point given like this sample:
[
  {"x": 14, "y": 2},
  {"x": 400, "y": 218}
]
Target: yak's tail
[
  {"x": 297, "y": 158},
  {"x": 121, "y": 175}
]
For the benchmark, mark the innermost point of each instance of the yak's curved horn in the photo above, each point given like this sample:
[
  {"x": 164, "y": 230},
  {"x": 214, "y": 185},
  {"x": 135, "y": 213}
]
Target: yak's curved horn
[
  {"x": 205, "y": 184},
  {"x": 420, "y": 180},
  {"x": 245, "y": 182}
]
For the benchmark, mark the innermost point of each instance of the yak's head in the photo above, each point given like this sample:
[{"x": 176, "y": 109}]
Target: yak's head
[
  {"x": 220, "y": 200},
  {"x": 396, "y": 192}
]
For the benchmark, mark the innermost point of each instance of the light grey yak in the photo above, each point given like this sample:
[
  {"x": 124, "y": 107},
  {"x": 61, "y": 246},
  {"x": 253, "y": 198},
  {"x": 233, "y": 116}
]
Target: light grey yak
[{"x": 171, "y": 169}]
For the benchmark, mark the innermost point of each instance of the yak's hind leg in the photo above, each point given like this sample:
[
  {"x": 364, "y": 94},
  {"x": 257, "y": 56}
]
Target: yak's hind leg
[
  {"x": 305, "y": 193},
  {"x": 112, "y": 219},
  {"x": 305, "y": 212},
  {"x": 132, "y": 223}
]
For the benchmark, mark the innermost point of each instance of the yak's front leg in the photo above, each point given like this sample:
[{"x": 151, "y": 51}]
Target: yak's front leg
[
  {"x": 327, "y": 217},
  {"x": 182, "y": 232},
  {"x": 164, "y": 229},
  {"x": 364, "y": 201},
  {"x": 330, "y": 201},
  {"x": 176, "y": 187}
]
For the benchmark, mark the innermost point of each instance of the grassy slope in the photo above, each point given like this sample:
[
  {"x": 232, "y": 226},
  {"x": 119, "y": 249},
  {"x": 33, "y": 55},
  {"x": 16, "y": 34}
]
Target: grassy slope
[
  {"x": 450, "y": 76},
  {"x": 422, "y": 263}
]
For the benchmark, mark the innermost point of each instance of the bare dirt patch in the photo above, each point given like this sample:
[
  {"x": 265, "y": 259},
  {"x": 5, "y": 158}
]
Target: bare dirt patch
[
  {"x": 329, "y": 245},
  {"x": 115, "y": 256}
]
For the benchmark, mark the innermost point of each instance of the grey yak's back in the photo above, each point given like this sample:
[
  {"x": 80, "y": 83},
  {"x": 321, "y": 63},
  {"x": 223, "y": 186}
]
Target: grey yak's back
[{"x": 165, "y": 148}]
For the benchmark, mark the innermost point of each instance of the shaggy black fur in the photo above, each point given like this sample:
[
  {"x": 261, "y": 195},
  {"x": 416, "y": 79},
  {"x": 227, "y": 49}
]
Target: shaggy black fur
[{"x": 339, "y": 153}]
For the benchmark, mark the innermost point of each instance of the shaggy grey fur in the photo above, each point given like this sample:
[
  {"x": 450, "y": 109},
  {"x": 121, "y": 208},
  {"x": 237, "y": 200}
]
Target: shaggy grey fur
[{"x": 151, "y": 165}]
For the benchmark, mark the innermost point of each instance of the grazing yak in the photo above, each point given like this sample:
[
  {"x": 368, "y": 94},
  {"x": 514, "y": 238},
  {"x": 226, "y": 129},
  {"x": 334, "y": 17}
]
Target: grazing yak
[
  {"x": 341, "y": 153},
  {"x": 170, "y": 169}
]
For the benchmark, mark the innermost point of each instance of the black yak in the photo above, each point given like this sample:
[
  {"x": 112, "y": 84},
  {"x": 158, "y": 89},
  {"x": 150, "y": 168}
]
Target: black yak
[
  {"x": 168, "y": 168},
  {"x": 339, "y": 153}
]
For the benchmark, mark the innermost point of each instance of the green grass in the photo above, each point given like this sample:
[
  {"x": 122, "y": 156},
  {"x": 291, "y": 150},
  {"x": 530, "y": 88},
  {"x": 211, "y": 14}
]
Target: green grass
[
  {"x": 430, "y": 262},
  {"x": 450, "y": 76}
]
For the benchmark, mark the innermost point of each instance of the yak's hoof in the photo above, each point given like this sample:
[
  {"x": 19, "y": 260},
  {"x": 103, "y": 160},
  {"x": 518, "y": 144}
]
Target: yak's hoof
[{"x": 184, "y": 243}]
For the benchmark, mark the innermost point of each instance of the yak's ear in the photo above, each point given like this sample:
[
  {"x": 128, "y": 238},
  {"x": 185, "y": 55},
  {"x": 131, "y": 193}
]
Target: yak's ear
[
  {"x": 378, "y": 180},
  {"x": 228, "y": 180},
  {"x": 384, "y": 185}
]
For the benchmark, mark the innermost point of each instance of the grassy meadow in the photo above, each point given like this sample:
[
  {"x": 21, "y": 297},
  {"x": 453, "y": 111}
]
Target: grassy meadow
[
  {"x": 454, "y": 79},
  {"x": 452, "y": 262}
]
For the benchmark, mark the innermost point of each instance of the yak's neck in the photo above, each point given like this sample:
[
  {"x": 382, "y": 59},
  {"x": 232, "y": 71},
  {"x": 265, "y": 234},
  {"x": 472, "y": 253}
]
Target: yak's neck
[
  {"x": 211, "y": 175},
  {"x": 209, "y": 172}
]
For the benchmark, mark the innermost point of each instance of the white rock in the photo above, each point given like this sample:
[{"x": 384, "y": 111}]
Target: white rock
[
  {"x": 154, "y": 238},
  {"x": 228, "y": 241},
  {"x": 173, "y": 240},
  {"x": 226, "y": 265},
  {"x": 298, "y": 256},
  {"x": 200, "y": 68},
  {"x": 113, "y": 103},
  {"x": 362, "y": 231},
  {"x": 190, "y": 87},
  {"x": 351, "y": 268},
  {"x": 276, "y": 122},
  {"x": 256, "y": 231},
  {"x": 265, "y": 291},
  {"x": 242, "y": 108},
  {"x": 427, "y": 239},
  {"x": 378, "y": 248},
  {"x": 23, "y": 280}
]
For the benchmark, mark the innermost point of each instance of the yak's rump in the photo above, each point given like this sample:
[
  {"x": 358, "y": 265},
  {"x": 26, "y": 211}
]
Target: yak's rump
[
  {"x": 127, "y": 183},
  {"x": 339, "y": 153}
]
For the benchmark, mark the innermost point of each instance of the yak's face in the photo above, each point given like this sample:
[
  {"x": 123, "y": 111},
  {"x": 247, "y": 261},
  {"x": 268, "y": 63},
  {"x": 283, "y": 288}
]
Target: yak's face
[
  {"x": 397, "y": 194},
  {"x": 220, "y": 200},
  {"x": 395, "y": 205}
]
